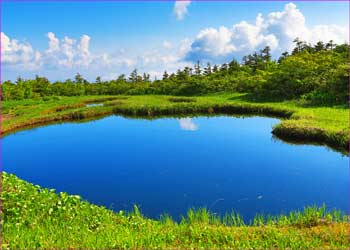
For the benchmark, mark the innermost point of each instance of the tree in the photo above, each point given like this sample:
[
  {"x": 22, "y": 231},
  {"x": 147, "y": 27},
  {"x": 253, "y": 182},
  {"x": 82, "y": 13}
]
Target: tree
[
  {"x": 197, "y": 68},
  {"x": 121, "y": 78},
  {"x": 233, "y": 66},
  {"x": 215, "y": 68},
  {"x": 172, "y": 76},
  {"x": 78, "y": 78},
  {"x": 133, "y": 76},
  {"x": 253, "y": 61},
  {"x": 266, "y": 54},
  {"x": 207, "y": 70},
  {"x": 98, "y": 80},
  {"x": 19, "y": 80},
  {"x": 298, "y": 46},
  {"x": 283, "y": 56},
  {"x": 146, "y": 77},
  {"x": 41, "y": 86},
  {"x": 182, "y": 75},
  {"x": 317, "y": 74},
  {"x": 319, "y": 46},
  {"x": 330, "y": 45},
  {"x": 188, "y": 71},
  {"x": 343, "y": 49},
  {"x": 224, "y": 67},
  {"x": 165, "y": 75},
  {"x": 139, "y": 78}
]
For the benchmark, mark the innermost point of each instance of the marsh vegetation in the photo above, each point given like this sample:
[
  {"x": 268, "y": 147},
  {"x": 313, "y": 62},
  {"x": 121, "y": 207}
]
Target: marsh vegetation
[{"x": 49, "y": 219}]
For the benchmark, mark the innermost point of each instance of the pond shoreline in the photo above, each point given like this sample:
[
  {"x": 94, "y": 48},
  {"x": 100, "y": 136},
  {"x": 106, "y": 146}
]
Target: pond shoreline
[
  {"x": 71, "y": 218},
  {"x": 289, "y": 132}
]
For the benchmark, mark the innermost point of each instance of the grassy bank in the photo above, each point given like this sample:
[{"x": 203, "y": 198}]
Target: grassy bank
[
  {"x": 320, "y": 125},
  {"x": 39, "y": 218},
  {"x": 34, "y": 217}
]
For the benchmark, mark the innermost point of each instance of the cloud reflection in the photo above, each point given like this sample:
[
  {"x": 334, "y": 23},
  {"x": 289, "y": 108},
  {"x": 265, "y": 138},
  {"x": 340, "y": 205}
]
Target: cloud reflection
[{"x": 187, "y": 124}]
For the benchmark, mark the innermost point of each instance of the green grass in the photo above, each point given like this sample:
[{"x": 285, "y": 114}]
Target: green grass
[
  {"x": 320, "y": 125},
  {"x": 34, "y": 217},
  {"x": 39, "y": 218}
]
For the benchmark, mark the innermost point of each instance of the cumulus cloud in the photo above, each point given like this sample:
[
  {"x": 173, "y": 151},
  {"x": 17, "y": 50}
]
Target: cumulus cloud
[
  {"x": 84, "y": 45},
  {"x": 187, "y": 124},
  {"x": 54, "y": 43},
  {"x": 68, "y": 52},
  {"x": 277, "y": 30},
  {"x": 211, "y": 44},
  {"x": 180, "y": 9},
  {"x": 83, "y": 50},
  {"x": 5, "y": 43},
  {"x": 184, "y": 47},
  {"x": 216, "y": 45},
  {"x": 329, "y": 32},
  {"x": 68, "y": 56},
  {"x": 14, "y": 52}
]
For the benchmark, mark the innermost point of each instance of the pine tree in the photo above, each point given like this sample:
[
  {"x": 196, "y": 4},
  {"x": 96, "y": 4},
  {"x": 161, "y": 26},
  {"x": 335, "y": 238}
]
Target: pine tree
[
  {"x": 319, "y": 46},
  {"x": 121, "y": 78},
  {"x": 283, "y": 56},
  {"x": 146, "y": 77},
  {"x": 78, "y": 78},
  {"x": 266, "y": 54},
  {"x": 165, "y": 75},
  {"x": 215, "y": 69},
  {"x": 98, "y": 79},
  {"x": 233, "y": 66},
  {"x": 133, "y": 76},
  {"x": 188, "y": 71},
  {"x": 207, "y": 70},
  {"x": 197, "y": 68},
  {"x": 330, "y": 45},
  {"x": 224, "y": 67}
]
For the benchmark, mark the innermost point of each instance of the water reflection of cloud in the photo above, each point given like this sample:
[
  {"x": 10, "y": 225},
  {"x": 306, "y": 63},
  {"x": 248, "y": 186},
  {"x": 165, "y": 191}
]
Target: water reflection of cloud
[{"x": 187, "y": 124}]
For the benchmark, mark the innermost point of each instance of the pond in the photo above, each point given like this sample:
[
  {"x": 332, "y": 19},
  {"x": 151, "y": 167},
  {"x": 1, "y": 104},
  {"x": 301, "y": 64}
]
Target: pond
[
  {"x": 90, "y": 105},
  {"x": 169, "y": 165}
]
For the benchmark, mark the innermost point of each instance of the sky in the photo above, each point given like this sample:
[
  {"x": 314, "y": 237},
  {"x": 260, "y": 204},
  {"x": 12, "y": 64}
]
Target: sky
[{"x": 106, "y": 39}]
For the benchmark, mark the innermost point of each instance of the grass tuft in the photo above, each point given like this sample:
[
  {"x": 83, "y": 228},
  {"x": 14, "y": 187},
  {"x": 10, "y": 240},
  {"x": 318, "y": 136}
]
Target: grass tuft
[{"x": 35, "y": 217}]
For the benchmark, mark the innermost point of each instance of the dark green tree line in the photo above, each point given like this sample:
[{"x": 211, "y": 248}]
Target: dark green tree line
[{"x": 316, "y": 73}]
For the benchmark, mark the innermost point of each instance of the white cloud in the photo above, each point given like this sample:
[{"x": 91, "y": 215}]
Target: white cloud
[
  {"x": 84, "y": 54},
  {"x": 66, "y": 56},
  {"x": 277, "y": 30},
  {"x": 210, "y": 44},
  {"x": 180, "y": 9},
  {"x": 184, "y": 47},
  {"x": 14, "y": 52},
  {"x": 156, "y": 74},
  {"x": 84, "y": 44},
  {"x": 5, "y": 43},
  {"x": 329, "y": 32},
  {"x": 167, "y": 44},
  {"x": 68, "y": 52},
  {"x": 54, "y": 43},
  {"x": 187, "y": 124}
]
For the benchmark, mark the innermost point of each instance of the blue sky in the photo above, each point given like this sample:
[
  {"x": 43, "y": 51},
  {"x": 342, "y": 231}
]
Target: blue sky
[{"x": 153, "y": 36}]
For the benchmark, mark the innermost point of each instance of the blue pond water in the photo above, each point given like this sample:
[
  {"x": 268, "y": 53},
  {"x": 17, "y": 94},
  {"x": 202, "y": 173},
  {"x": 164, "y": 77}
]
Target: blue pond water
[{"x": 170, "y": 165}]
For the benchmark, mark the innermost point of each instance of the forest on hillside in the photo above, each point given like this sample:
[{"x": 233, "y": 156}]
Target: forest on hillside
[{"x": 317, "y": 74}]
